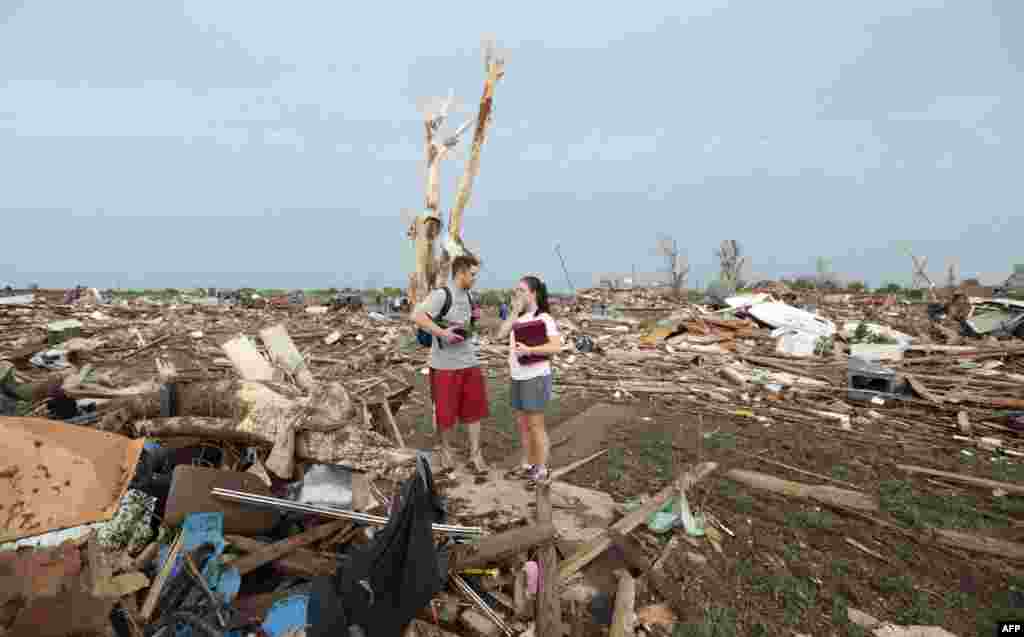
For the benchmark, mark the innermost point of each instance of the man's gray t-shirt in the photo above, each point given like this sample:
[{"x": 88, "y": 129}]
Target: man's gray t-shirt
[{"x": 460, "y": 355}]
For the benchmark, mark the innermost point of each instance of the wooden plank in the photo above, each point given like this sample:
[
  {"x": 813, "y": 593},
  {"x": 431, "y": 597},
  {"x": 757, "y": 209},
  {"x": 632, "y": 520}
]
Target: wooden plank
[
  {"x": 277, "y": 550},
  {"x": 971, "y": 480}
]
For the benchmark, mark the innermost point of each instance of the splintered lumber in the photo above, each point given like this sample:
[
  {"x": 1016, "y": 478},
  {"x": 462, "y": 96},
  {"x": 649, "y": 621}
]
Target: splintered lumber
[
  {"x": 591, "y": 549},
  {"x": 625, "y": 602},
  {"x": 971, "y": 480},
  {"x": 822, "y": 493},
  {"x": 922, "y": 391},
  {"x": 300, "y": 563},
  {"x": 277, "y": 550},
  {"x": 549, "y": 601},
  {"x": 247, "y": 360},
  {"x": 497, "y": 548},
  {"x": 284, "y": 353}
]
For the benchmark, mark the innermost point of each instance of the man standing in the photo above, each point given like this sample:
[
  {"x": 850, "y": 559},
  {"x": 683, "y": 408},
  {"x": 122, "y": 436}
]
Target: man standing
[{"x": 457, "y": 385}]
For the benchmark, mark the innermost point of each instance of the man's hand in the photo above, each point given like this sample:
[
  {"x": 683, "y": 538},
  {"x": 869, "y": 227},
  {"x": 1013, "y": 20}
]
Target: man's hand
[{"x": 451, "y": 337}]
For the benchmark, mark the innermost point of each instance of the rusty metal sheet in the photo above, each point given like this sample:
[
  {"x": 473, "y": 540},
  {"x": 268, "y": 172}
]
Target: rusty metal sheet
[{"x": 54, "y": 475}]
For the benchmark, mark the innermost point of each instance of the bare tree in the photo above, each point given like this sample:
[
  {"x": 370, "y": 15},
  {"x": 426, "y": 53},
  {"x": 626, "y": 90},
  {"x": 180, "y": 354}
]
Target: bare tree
[
  {"x": 425, "y": 228},
  {"x": 731, "y": 260},
  {"x": 952, "y": 274},
  {"x": 676, "y": 266}
]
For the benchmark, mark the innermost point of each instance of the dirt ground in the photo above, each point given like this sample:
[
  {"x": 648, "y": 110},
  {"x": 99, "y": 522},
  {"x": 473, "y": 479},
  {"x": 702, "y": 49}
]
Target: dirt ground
[{"x": 788, "y": 567}]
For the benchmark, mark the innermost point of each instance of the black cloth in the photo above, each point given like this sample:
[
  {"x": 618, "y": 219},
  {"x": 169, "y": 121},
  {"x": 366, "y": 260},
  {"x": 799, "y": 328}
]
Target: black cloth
[{"x": 381, "y": 586}]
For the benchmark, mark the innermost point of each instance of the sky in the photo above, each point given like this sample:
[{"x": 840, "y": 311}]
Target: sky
[{"x": 270, "y": 144}]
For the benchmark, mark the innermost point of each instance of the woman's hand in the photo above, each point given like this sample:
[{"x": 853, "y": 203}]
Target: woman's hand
[{"x": 522, "y": 350}]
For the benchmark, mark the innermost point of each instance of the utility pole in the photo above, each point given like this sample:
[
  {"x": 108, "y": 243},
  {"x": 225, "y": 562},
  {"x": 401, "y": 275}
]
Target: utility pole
[{"x": 558, "y": 251}]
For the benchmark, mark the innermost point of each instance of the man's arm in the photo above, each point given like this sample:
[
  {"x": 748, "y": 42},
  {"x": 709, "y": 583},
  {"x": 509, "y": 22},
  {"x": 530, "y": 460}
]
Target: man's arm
[{"x": 431, "y": 306}]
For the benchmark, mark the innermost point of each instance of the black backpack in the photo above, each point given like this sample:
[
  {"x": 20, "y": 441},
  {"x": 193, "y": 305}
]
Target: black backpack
[{"x": 425, "y": 338}]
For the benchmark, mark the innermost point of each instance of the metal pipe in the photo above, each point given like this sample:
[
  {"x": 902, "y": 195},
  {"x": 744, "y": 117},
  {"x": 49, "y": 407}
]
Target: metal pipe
[
  {"x": 327, "y": 512},
  {"x": 468, "y": 591}
]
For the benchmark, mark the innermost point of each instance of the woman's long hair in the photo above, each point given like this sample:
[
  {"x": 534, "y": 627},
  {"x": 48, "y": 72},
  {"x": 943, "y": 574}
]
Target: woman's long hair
[{"x": 537, "y": 287}]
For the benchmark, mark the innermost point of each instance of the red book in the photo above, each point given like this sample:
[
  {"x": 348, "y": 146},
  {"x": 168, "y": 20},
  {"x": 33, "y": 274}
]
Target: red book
[{"x": 532, "y": 334}]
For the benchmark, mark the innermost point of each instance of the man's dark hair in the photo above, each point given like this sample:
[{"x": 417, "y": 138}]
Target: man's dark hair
[{"x": 462, "y": 263}]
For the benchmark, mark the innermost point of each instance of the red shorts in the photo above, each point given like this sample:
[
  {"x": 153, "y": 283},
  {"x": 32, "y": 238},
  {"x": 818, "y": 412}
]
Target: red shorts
[{"x": 459, "y": 395}]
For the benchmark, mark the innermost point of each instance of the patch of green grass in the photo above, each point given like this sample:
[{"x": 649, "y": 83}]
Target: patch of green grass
[
  {"x": 718, "y": 621},
  {"x": 796, "y": 595},
  {"x": 920, "y": 510},
  {"x": 841, "y": 618},
  {"x": 841, "y": 472},
  {"x": 791, "y": 552},
  {"x": 720, "y": 441},
  {"x": 741, "y": 502},
  {"x": 839, "y": 567},
  {"x": 903, "y": 550},
  {"x": 656, "y": 450},
  {"x": 616, "y": 463},
  {"x": 919, "y": 610},
  {"x": 812, "y": 519}
]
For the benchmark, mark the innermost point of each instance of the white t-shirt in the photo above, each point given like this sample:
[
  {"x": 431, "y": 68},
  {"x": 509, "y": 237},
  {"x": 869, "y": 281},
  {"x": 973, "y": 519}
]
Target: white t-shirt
[{"x": 535, "y": 370}]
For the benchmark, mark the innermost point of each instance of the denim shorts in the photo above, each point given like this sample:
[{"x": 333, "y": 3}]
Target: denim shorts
[{"x": 531, "y": 395}]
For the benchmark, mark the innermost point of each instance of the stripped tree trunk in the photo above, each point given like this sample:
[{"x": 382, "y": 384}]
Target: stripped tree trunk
[{"x": 432, "y": 272}]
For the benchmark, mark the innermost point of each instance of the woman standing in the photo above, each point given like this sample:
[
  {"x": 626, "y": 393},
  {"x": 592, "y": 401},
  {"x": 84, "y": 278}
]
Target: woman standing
[{"x": 530, "y": 368}]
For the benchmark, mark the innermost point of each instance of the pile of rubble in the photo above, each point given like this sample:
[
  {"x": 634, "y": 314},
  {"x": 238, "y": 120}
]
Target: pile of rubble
[{"x": 228, "y": 470}]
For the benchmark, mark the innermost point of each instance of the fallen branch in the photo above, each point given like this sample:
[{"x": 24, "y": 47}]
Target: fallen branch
[
  {"x": 277, "y": 550},
  {"x": 971, "y": 480},
  {"x": 822, "y": 493}
]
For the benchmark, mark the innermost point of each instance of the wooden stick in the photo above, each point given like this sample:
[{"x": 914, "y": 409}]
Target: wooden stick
[
  {"x": 971, "y": 480},
  {"x": 276, "y": 550},
  {"x": 158, "y": 584},
  {"x": 394, "y": 425},
  {"x": 145, "y": 347},
  {"x": 558, "y": 473},
  {"x": 822, "y": 493},
  {"x": 625, "y": 601},
  {"x": 638, "y": 560},
  {"x": 797, "y": 470}
]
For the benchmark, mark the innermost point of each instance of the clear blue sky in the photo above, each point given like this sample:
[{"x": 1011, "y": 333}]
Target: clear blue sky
[{"x": 274, "y": 144}]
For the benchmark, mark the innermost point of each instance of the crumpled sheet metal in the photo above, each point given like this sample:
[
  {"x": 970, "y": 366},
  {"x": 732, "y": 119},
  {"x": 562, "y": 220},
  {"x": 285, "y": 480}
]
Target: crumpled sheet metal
[{"x": 54, "y": 475}]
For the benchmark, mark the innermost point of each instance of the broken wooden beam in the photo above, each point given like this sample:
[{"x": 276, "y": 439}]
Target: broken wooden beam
[
  {"x": 497, "y": 548},
  {"x": 822, "y": 493},
  {"x": 558, "y": 473},
  {"x": 549, "y": 601},
  {"x": 274, "y": 551},
  {"x": 299, "y": 563}
]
